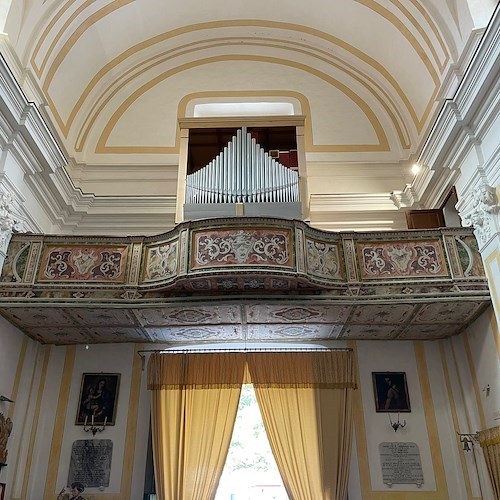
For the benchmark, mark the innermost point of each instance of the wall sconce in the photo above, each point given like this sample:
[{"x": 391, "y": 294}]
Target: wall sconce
[
  {"x": 468, "y": 440},
  {"x": 94, "y": 429},
  {"x": 396, "y": 425}
]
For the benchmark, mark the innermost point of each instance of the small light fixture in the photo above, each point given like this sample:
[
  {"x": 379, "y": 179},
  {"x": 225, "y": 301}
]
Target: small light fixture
[
  {"x": 468, "y": 440},
  {"x": 93, "y": 427},
  {"x": 415, "y": 168},
  {"x": 397, "y": 424},
  {"x": 87, "y": 347}
]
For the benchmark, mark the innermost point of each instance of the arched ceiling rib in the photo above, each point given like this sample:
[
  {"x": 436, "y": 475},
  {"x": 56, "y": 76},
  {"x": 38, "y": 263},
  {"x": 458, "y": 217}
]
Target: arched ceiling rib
[{"x": 97, "y": 61}]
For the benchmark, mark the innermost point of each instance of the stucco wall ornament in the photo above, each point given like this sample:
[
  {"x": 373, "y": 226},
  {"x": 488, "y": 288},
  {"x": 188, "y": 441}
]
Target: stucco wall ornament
[
  {"x": 482, "y": 213},
  {"x": 5, "y": 430},
  {"x": 8, "y": 221}
]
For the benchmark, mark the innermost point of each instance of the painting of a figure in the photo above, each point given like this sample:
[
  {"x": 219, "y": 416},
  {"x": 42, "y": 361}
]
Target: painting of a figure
[
  {"x": 98, "y": 398},
  {"x": 391, "y": 392}
]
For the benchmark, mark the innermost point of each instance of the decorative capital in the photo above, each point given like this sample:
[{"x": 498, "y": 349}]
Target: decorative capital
[{"x": 481, "y": 213}]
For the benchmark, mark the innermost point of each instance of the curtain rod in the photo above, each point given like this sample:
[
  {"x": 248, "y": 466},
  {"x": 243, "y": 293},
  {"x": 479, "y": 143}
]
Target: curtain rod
[
  {"x": 247, "y": 349},
  {"x": 142, "y": 352}
]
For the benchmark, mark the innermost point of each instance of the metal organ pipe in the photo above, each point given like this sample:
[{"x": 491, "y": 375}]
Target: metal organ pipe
[{"x": 242, "y": 173}]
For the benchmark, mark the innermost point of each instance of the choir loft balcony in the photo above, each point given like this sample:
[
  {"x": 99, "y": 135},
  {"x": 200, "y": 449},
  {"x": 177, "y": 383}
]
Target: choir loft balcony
[{"x": 243, "y": 279}]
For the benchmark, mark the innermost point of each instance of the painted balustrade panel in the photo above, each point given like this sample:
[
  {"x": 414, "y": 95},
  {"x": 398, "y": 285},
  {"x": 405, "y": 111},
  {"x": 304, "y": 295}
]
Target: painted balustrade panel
[
  {"x": 401, "y": 259},
  {"x": 241, "y": 254},
  {"x": 83, "y": 263},
  {"x": 234, "y": 247}
]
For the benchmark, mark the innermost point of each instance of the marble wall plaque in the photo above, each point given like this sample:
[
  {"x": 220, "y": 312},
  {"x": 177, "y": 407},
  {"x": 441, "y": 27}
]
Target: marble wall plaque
[
  {"x": 401, "y": 464},
  {"x": 91, "y": 462}
]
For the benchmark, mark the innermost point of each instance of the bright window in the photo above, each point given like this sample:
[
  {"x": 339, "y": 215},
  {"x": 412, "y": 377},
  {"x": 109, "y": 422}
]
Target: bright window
[{"x": 250, "y": 472}]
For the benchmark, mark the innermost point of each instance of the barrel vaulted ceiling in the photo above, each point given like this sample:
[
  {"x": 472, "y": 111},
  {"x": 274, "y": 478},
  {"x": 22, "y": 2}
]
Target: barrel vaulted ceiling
[{"x": 116, "y": 75}]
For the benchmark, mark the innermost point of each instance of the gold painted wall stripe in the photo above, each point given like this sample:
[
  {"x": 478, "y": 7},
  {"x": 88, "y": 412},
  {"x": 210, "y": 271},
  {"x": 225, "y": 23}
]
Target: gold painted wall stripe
[
  {"x": 359, "y": 426},
  {"x": 17, "y": 377},
  {"x": 477, "y": 392},
  {"x": 34, "y": 425},
  {"x": 494, "y": 328},
  {"x": 17, "y": 470},
  {"x": 456, "y": 427},
  {"x": 382, "y": 146},
  {"x": 430, "y": 419},
  {"x": 60, "y": 420},
  {"x": 494, "y": 257},
  {"x": 131, "y": 433},
  {"x": 221, "y": 24},
  {"x": 370, "y": 85}
]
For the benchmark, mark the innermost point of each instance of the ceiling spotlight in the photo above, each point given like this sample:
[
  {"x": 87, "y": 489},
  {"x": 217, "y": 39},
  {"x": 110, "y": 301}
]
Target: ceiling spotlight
[{"x": 415, "y": 168}]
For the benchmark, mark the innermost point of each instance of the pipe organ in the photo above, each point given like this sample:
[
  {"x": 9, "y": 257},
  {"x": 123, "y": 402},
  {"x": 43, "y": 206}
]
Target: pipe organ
[{"x": 243, "y": 173}]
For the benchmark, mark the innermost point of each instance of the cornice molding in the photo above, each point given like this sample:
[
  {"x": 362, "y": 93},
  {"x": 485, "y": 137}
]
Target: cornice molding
[
  {"x": 456, "y": 119},
  {"x": 47, "y": 186}
]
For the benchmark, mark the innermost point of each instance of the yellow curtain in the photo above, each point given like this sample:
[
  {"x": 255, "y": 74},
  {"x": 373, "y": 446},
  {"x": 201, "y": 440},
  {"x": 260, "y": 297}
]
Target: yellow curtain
[
  {"x": 489, "y": 440},
  {"x": 194, "y": 404},
  {"x": 306, "y": 405}
]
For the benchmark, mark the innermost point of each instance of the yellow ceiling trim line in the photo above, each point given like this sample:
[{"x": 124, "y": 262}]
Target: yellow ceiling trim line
[
  {"x": 383, "y": 144},
  {"x": 221, "y": 24},
  {"x": 80, "y": 143},
  {"x": 433, "y": 27},
  {"x": 67, "y": 24},
  {"x": 304, "y": 103},
  {"x": 181, "y": 108},
  {"x": 454, "y": 417},
  {"x": 423, "y": 34},
  {"x": 387, "y": 14},
  {"x": 60, "y": 420},
  {"x": 82, "y": 28}
]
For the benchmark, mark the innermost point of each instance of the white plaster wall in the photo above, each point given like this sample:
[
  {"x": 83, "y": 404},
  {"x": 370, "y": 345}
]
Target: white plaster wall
[
  {"x": 141, "y": 442},
  {"x": 473, "y": 357},
  {"x": 11, "y": 340},
  {"x": 46, "y": 420},
  {"x": 446, "y": 430},
  {"x": 11, "y": 343},
  {"x": 481, "y": 340},
  {"x": 104, "y": 358},
  {"x": 377, "y": 356}
]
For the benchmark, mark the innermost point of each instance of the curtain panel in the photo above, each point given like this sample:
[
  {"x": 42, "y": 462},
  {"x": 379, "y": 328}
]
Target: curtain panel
[
  {"x": 306, "y": 404},
  {"x": 489, "y": 440}
]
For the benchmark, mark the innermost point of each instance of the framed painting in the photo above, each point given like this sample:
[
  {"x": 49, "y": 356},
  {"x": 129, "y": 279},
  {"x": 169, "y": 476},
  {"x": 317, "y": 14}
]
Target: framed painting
[
  {"x": 98, "y": 398},
  {"x": 391, "y": 392},
  {"x": 3, "y": 486}
]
